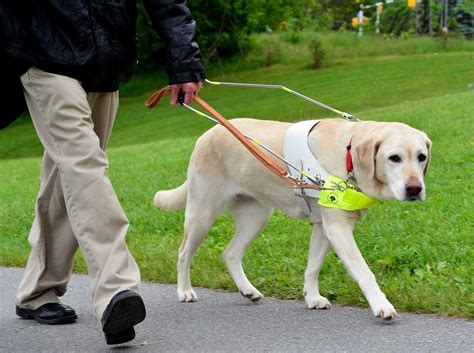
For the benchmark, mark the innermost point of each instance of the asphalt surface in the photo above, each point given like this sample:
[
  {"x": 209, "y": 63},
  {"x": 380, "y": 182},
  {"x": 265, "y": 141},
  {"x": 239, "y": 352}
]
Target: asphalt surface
[{"x": 226, "y": 322}]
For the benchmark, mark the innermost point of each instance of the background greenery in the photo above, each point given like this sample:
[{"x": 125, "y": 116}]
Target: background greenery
[
  {"x": 225, "y": 27},
  {"x": 421, "y": 253}
]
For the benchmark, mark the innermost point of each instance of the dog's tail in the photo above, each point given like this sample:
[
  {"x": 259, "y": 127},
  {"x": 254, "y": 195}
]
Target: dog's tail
[{"x": 171, "y": 199}]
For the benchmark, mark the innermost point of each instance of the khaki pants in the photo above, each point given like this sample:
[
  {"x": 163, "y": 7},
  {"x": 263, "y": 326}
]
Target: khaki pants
[{"x": 76, "y": 205}]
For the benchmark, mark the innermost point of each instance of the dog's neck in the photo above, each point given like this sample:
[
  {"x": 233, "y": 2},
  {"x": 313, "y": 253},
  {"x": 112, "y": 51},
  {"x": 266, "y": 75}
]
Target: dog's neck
[{"x": 336, "y": 135}]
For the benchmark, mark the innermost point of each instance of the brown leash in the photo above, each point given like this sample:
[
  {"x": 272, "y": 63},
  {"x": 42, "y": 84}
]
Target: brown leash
[{"x": 257, "y": 152}]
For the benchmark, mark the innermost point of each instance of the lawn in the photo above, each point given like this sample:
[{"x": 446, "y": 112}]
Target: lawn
[{"x": 421, "y": 253}]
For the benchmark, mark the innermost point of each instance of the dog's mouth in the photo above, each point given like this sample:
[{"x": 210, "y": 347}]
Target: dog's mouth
[{"x": 413, "y": 198}]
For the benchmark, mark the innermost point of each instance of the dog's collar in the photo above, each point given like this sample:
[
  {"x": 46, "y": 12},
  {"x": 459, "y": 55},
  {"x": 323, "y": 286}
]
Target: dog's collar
[{"x": 349, "y": 164}]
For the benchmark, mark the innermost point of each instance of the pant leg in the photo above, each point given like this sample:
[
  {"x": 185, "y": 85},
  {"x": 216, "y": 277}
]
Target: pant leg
[
  {"x": 44, "y": 281},
  {"x": 104, "y": 109},
  {"x": 49, "y": 265},
  {"x": 62, "y": 118}
]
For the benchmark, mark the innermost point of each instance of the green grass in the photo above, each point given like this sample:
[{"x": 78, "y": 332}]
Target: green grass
[
  {"x": 288, "y": 49},
  {"x": 421, "y": 253},
  {"x": 352, "y": 85}
]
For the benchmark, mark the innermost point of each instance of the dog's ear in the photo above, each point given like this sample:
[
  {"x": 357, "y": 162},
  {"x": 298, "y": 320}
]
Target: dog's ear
[
  {"x": 428, "y": 159},
  {"x": 365, "y": 152}
]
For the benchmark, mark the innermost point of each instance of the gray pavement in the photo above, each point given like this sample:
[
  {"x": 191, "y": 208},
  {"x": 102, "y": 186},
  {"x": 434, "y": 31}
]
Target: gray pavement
[{"x": 226, "y": 322}]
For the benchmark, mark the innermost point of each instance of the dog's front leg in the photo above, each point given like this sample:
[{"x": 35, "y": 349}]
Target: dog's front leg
[
  {"x": 318, "y": 249},
  {"x": 338, "y": 227}
]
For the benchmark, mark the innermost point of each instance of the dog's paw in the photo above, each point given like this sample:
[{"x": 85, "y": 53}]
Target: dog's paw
[
  {"x": 254, "y": 295},
  {"x": 385, "y": 311},
  {"x": 187, "y": 296},
  {"x": 317, "y": 302}
]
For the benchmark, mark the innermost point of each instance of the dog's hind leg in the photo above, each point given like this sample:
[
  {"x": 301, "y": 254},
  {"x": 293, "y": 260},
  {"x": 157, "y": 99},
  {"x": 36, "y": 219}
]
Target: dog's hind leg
[
  {"x": 199, "y": 217},
  {"x": 250, "y": 218},
  {"x": 318, "y": 249}
]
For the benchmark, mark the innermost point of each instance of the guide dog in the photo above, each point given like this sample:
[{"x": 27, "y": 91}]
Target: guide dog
[{"x": 390, "y": 160}]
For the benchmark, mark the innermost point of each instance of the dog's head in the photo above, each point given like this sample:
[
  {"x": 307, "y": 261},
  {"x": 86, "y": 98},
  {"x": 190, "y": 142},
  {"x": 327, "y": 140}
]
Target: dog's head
[{"x": 391, "y": 160}]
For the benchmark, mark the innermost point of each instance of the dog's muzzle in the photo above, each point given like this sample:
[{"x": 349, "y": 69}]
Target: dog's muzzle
[{"x": 413, "y": 192}]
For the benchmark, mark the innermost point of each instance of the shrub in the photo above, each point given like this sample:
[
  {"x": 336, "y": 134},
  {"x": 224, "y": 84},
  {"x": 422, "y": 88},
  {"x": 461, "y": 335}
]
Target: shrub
[
  {"x": 396, "y": 18},
  {"x": 317, "y": 53}
]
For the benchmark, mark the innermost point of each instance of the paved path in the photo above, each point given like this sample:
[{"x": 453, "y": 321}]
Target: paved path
[{"x": 226, "y": 322}]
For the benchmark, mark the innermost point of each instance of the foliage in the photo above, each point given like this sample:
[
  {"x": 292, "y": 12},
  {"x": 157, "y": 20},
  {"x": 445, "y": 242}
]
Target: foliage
[
  {"x": 268, "y": 49},
  {"x": 317, "y": 53},
  {"x": 342, "y": 12},
  {"x": 396, "y": 18},
  {"x": 223, "y": 27}
]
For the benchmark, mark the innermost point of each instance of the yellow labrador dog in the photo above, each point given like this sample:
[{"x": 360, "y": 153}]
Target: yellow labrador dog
[{"x": 390, "y": 160}]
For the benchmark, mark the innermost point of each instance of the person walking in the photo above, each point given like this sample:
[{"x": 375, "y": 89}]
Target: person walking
[{"x": 69, "y": 57}]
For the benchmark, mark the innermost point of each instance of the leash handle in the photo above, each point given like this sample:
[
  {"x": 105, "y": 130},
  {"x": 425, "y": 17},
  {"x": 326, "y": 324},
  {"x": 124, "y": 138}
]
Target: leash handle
[{"x": 156, "y": 97}]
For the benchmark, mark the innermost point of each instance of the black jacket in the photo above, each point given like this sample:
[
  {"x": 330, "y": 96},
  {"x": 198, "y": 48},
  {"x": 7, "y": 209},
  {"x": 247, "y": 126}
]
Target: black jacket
[{"x": 93, "y": 41}]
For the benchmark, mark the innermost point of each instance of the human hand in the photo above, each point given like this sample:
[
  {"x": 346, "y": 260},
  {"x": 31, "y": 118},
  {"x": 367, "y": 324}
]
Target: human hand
[{"x": 190, "y": 89}]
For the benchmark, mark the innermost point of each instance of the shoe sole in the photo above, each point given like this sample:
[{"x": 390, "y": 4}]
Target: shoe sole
[
  {"x": 121, "y": 337},
  {"x": 28, "y": 314},
  {"x": 125, "y": 311}
]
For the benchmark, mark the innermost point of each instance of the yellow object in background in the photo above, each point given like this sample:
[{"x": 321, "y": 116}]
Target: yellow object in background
[
  {"x": 411, "y": 3},
  {"x": 355, "y": 21}
]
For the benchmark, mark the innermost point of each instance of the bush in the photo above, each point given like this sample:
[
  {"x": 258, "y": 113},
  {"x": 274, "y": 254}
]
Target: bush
[
  {"x": 396, "y": 18},
  {"x": 271, "y": 50},
  {"x": 317, "y": 53}
]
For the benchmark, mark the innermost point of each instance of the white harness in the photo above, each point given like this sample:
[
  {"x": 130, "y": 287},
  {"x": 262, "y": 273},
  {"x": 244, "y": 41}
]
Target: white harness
[{"x": 296, "y": 151}]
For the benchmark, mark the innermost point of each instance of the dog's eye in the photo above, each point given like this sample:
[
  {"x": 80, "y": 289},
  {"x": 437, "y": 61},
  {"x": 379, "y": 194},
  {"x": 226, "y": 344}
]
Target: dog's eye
[
  {"x": 395, "y": 158},
  {"x": 421, "y": 157}
]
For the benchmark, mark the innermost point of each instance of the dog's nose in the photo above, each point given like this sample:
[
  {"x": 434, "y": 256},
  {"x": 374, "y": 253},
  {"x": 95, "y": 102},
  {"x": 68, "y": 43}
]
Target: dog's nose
[{"x": 413, "y": 189}]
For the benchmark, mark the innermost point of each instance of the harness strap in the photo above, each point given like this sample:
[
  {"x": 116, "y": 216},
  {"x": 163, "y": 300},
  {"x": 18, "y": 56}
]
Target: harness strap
[{"x": 267, "y": 162}]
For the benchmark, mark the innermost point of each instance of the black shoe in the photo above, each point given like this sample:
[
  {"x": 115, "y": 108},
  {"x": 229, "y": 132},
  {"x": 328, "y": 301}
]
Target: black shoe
[
  {"x": 49, "y": 314},
  {"x": 125, "y": 310}
]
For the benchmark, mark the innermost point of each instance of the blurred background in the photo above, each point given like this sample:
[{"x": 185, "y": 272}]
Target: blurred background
[{"x": 225, "y": 28}]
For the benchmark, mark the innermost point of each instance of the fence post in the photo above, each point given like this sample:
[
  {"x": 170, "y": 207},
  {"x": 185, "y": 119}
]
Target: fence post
[{"x": 360, "y": 16}]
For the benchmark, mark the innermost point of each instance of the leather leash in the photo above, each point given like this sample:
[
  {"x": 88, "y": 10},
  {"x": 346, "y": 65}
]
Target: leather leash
[{"x": 257, "y": 152}]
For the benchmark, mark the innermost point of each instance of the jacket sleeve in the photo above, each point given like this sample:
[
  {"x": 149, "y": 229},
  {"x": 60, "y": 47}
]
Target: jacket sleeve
[
  {"x": 12, "y": 99},
  {"x": 173, "y": 21}
]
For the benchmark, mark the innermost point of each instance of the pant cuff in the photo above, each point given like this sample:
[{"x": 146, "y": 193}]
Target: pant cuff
[{"x": 33, "y": 304}]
